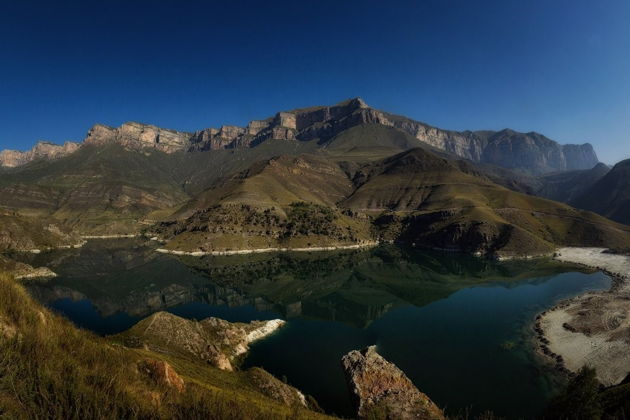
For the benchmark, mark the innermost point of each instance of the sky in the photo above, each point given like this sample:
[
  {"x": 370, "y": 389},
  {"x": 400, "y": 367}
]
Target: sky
[{"x": 561, "y": 68}]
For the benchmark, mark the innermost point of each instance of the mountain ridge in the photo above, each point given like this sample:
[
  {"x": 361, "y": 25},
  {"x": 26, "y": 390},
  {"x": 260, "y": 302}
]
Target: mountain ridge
[
  {"x": 530, "y": 152},
  {"x": 610, "y": 195}
]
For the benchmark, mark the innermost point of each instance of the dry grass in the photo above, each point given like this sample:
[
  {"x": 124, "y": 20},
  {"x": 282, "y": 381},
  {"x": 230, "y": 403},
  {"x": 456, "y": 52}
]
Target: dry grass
[{"x": 50, "y": 369}]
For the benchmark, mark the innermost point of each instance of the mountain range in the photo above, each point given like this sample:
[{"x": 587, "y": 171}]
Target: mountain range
[
  {"x": 530, "y": 152},
  {"x": 339, "y": 175}
]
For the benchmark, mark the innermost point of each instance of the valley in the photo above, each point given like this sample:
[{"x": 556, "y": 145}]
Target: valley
[{"x": 249, "y": 261}]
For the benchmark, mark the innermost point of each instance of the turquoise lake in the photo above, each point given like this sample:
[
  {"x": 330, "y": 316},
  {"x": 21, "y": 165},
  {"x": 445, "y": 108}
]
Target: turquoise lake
[{"x": 460, "y": 327}]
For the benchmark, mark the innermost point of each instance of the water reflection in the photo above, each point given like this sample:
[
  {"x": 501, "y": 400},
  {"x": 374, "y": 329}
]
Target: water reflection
[{"x": 354, "y": 287}]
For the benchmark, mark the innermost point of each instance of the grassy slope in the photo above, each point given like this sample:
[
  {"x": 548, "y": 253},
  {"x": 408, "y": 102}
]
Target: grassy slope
[
  {"x": 610, "y": 196},
  {"x": 95, "y": 190},
  {"x": 109, "y": 189},
  {"x": 434, "y": 201},
  {"x": 112, "y": 190},
  {"x": 19, "y": 232},
  {"x": 450, "y": 208},
  {"x": 277, "y": 182},
  {"x": 568, "y": 186},
  {"x": 259, "y": 208},
  {"x": 50, "y": 369}
]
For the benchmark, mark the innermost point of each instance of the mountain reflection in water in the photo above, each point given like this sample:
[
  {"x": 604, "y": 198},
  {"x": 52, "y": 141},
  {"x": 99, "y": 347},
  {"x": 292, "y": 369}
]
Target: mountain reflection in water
[{"x": 354, "y": 287}]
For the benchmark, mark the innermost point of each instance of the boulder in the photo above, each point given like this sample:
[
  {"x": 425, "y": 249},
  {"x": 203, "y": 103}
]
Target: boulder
[{"x": 162, "y": 374}]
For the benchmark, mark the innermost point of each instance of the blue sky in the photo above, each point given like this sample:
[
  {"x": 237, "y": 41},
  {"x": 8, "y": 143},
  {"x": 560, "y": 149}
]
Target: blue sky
[{"x": 561, "y": 68}]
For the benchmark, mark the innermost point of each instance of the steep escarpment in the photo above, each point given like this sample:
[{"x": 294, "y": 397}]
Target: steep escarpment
[
  {"x": 381, "y": 390},
  {"x": 137, "y": 136}
]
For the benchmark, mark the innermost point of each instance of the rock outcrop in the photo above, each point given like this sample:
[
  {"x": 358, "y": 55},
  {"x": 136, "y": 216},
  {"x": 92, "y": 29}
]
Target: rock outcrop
[
  {"x": 382, "y": 390},
  {"x": 274, "y": 388},
  {"x": 42, "y": 150},
  {"x": 219, "y": 342},
  {"x": 162, "y": 374}
]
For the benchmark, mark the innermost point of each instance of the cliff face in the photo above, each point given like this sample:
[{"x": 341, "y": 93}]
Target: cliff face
[
  {"x": 135, "y": 135},
  {"x": 530, "y": 152},
  {"x": 43, "y": 149},
  {"x": 535, "y": 153}
]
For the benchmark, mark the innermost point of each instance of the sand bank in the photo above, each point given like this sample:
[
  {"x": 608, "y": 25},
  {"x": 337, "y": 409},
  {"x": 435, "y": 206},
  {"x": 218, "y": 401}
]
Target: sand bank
[{"x": 592, "y": 329}]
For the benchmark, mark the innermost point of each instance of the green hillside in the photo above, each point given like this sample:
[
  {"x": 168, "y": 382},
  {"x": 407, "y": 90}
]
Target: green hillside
[
  {"x": 430, "y": 201},
  {"x": 111, "y": 190},
  {"x": 610, "y": 196},
  {"x": 367, "y": 182},
  {"x": 51, "y": 369}
]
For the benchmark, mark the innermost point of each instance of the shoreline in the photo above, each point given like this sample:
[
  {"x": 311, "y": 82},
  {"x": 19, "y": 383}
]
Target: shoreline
[
  {"x": 587, "y": 329},
  {"x": 117, "y": 236},
  {"x": 266, "y": 250}
]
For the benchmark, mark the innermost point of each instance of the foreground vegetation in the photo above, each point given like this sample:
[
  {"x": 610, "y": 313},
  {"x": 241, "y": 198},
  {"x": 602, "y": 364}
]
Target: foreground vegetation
[
  {"x": 50, "y": 369},
  {"x": 585, "y": 399}
]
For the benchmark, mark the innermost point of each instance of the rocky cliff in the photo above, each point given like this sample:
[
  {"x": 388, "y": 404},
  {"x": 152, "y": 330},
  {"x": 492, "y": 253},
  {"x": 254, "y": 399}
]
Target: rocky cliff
[
  {"x": 530, "y": 152},
  {"x": 381, "y": 390},
  {"x": 534, "y": 152},
  {"x": 135, "y": 135},
  {"x": 42, "y": 150}
]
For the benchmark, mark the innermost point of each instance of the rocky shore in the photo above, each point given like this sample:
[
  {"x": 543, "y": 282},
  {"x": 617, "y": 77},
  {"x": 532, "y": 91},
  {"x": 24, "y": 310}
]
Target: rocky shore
[{"x": 592, "y": 329}]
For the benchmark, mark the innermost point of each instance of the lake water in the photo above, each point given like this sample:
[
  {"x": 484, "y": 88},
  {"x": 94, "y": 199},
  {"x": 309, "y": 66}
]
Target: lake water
[{"x": 458, "y": 326}]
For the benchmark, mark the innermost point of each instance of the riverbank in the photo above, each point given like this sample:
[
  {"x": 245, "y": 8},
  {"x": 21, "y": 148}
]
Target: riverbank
[
  {"x": 367, "y": 244},
  {"x": 592, "y": 329}
]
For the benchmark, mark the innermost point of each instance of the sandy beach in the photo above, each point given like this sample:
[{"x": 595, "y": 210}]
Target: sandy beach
[{"x": 592, "y": 329}]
